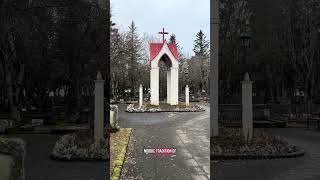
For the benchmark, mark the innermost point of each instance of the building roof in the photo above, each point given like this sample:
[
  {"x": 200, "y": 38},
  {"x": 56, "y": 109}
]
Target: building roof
[{"x": 155, "y": 48}]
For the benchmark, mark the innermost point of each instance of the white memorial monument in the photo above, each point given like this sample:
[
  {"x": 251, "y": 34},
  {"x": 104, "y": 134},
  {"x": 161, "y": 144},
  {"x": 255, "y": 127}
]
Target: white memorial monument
[
  {"x": 187, "y": 95},
  {"x": 247, "y": 120},
  {"x": 168, "y": 53},
  {"x": 140, "y": 95}
]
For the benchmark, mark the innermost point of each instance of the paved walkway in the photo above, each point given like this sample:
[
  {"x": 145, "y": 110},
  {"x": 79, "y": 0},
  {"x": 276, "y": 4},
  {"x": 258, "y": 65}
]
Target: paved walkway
[
  {"x": 188, "y": 132},
  {"x": 40, "y": 167},
  {"x": 303, "y": 168}
]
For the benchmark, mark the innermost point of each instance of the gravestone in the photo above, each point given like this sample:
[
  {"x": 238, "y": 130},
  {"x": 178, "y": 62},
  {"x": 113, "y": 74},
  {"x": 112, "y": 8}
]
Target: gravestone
[
  {"x": 247, "y": 113},
  {"x": 4, "y": 125},
  {"x": 98, "y": 107},
  {"x": 37, "y": 122},
  {"x": 187, "y": 95},
  {"x": 266, "y": 112},
  {"x": 114, "y": 117}
]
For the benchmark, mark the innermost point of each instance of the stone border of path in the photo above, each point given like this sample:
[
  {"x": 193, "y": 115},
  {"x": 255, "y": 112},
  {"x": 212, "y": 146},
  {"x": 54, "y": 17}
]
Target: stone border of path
[
  {"x": 15, "y": 148},
  {"x": 132, "y": 108},
  {"x": 161, "y": 111},
  {"x": 296, "y": 154},
  {"x": 77, "y": 159},
  {"x": 115, "y": 175},
  {"x": 49, "y": 130}
]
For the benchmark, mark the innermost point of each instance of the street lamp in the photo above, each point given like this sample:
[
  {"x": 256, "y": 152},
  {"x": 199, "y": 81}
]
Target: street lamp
[
  {"x": 186, "y": 75},
  {"x": 245, "y": 39}
]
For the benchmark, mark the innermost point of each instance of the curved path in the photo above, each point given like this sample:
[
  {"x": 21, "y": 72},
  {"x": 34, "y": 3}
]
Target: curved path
[
  {"x": 187, "y": 132},
  {"x": 302, "y": 168},
  {"x": 39, "y": 166}
]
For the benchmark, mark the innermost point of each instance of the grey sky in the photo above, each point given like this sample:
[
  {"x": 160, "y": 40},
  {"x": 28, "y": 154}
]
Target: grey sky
[{"x": 184, "y": 18}]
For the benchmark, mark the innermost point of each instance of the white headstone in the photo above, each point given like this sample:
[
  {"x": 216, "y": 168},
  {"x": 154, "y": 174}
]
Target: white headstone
[
  {"x": 98, "y": 107},
  {"x": 187, "y": 95},
  {"x": 140, "y": 96},
  {"x": 247, "y": 120}
]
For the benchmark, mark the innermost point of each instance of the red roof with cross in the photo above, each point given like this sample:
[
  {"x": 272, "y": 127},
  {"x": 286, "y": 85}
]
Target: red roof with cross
[{"x": 155, "y": 48}]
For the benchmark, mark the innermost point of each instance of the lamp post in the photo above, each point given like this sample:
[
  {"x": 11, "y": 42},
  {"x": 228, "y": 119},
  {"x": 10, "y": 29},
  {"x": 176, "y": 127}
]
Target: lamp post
[
  {"x": 186, "y": 75},
  {"x": 245, "y": 39}
]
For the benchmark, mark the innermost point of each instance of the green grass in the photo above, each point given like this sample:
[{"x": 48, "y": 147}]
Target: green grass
[{"x": 118, "y": 148}]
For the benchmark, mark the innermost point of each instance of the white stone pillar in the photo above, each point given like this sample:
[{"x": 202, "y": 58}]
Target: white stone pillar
[
  {"x": 247, "y": 120},
  {"x": 214, "y": 67},
  {"x": 168, "y": 86},
  {"x": 174, "y": 86},
  {"x": 154, "y": 86},
  {"x": 140, "y": 96},
  {"x": 98, "y": 107},
  {"x": 187, "y": 95}
]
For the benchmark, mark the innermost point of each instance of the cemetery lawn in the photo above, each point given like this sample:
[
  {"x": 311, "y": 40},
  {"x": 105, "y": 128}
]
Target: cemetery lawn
[
  {"x": 230, "y": 144},
  {"x": 118, "y": 148}
]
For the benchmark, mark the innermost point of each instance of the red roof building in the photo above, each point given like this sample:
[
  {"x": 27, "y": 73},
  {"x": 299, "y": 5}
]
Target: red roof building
[{"x": 155, "y": 48}]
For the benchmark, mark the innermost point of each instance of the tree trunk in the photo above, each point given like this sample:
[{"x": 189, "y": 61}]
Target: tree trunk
[
  {"x": 14, "y": 113},
  {"x": 271, "y": 93}
]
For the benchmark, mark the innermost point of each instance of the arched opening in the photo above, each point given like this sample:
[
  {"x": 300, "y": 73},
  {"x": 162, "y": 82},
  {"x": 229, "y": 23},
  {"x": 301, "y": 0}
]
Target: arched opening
[
  {"x": 164, "y": 64},
  {"x": 166, "y": 60}
]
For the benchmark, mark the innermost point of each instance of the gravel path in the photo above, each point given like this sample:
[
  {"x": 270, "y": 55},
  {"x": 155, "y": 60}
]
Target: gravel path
[
  {"x": 40, "y": 167},
  {"x": 187, "y": 132}
]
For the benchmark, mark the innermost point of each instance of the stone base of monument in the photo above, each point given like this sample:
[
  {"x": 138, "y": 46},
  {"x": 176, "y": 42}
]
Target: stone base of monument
[
  {"x": 163, "y": 107},
  {"x": 80, "y": 146},
  {"x": 231, "y": 145}
]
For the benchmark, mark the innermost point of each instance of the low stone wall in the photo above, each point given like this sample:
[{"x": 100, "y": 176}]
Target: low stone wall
[{"x": 12, "y": 155}]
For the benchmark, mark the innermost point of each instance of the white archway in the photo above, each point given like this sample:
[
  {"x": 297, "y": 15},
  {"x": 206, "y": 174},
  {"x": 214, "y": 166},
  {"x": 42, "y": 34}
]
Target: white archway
[{"x": 167, "y": 53}]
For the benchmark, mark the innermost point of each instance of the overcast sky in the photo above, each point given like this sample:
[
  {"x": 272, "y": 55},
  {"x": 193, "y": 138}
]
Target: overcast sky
[{"x": 184, "y": 18}]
